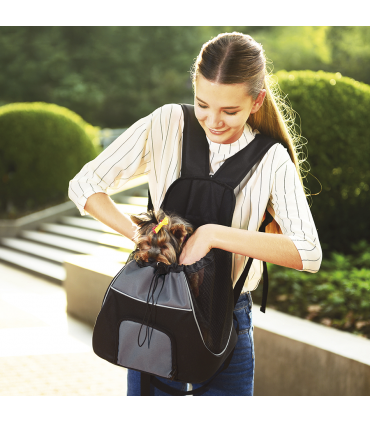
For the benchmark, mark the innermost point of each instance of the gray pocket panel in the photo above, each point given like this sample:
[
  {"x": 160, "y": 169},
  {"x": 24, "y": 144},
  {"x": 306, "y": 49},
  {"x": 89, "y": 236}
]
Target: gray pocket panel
[
  {"x": 156, "y": 359},
  {"x": 135, "y": 282}
]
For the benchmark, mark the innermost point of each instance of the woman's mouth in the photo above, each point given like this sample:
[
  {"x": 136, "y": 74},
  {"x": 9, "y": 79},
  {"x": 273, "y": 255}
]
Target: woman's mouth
[{"x": 212, "y": 131}]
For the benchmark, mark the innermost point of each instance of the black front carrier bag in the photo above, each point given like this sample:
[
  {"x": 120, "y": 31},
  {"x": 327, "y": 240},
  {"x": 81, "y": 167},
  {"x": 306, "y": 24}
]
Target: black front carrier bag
[{"x": 176, "y": 321}]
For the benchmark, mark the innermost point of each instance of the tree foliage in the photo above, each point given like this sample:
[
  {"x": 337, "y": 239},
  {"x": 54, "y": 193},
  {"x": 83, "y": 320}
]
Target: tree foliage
[{"x": 113, "y": 76}]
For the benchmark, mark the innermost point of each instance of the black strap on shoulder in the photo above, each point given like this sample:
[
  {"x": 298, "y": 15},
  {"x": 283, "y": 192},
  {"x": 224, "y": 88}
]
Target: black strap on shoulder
[
  {"x": 195, "y": 149},
  {"x": 195, "y": 153},
  {"x": 235, "y": 168},
  {"x": 240, "y": 283}
]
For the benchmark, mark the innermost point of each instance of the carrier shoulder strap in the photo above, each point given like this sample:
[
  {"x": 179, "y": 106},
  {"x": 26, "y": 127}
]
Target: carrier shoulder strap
[
  {"x": 195, "y": 154},
  {"x": 236, "y": 167},
  {"x": 195, "y": 148},
  {"x": 240, "y": 283}
]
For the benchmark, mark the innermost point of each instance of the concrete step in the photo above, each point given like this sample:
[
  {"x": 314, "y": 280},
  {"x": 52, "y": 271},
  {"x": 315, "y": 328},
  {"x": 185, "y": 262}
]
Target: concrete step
[
  {"x": 59, "y": 255},
  {"x": 91, "y": 224},
  {"x": 74, "y": 245},
  {"x": 35, "y": 249},
  {"x": 111, "y": 240},
  {"x": 43, "y": 267},
  {"x": 46, "y": 249}
]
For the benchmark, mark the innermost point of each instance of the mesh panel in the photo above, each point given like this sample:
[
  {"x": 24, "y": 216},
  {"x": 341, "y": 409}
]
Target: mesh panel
[{"x": 212, "y": 295}]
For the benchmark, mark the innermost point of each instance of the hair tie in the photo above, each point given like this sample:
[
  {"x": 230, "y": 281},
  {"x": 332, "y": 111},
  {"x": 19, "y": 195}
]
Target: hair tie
[{"x": 160, "y": 224}]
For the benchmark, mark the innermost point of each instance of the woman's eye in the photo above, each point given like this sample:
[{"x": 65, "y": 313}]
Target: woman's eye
[{"x": 228, "y": 113}]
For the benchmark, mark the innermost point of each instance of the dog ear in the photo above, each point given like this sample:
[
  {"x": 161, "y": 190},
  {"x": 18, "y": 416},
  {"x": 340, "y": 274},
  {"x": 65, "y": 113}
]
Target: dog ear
[
  {"x": 142, "y": 218},
  {"x": 178, "y": 231},
  {"x": 189, "y": 229},
  {"x": 136, "y": 219}
]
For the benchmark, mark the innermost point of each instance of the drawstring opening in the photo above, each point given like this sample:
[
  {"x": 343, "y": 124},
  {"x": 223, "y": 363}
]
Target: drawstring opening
[{"x": 150, "y": 312}]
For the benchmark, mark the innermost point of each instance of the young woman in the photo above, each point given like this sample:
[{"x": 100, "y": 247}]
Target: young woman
[{"x": 233, "y": 102}]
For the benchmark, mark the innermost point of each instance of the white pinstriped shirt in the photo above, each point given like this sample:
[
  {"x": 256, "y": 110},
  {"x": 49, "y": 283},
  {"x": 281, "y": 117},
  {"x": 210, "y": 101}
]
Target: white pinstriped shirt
[{"x": 153, "y": 146}]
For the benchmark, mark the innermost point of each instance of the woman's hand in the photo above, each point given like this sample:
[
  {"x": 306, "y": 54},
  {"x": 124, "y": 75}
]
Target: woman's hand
[{"x": 197, "y": 245}]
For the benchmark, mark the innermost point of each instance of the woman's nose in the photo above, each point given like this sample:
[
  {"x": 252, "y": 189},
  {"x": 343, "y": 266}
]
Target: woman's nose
[{"x": 214, "y": 121}]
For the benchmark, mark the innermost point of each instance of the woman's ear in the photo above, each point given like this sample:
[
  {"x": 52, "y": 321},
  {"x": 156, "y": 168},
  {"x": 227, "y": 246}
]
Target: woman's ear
[{"x": 258, "y": 101}]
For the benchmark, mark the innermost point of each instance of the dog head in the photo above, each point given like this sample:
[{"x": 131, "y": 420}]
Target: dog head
[{"x": 165, "y": 244}]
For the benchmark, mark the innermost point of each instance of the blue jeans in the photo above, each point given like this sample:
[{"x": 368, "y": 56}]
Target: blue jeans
[{"x": 237, "y": 379}]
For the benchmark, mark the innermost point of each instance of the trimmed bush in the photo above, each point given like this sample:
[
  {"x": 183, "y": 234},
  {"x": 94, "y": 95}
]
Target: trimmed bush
[
  {"x": 42, "y": 147},
  {"x": 334, "y": 114},
  {"x": 337, "y": 296}
]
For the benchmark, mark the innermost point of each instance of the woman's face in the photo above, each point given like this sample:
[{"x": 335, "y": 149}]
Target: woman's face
[{"x": 223, "y": 109}]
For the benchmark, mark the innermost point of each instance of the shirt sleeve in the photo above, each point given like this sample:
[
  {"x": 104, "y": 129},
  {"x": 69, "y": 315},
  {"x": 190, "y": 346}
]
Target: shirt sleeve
[
  {"x": 293, "y": 214},
  {"x": 124, "y": 159}
]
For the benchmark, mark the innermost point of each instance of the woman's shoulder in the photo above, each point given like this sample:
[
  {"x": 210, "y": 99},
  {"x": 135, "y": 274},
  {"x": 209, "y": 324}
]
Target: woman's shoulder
[
  {"x": 278, "y": 155},
  {"x": 166, "y": 119},
  {"x": 168, "y": 111}
]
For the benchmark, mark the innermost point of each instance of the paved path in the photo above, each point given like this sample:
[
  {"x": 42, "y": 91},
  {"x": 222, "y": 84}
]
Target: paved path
[{"x": 43, "y": 351}]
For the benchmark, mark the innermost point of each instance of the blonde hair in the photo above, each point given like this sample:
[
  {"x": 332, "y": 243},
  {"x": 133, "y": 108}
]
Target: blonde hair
[{"x": 235, "y": 58}]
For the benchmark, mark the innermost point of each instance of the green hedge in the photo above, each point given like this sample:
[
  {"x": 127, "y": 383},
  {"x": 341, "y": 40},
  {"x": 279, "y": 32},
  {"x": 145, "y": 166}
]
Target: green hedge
[
  {"x": 42, "y": 147},
  {"x": 334, "y": 114},
  {"x": 337, "y": 296}
]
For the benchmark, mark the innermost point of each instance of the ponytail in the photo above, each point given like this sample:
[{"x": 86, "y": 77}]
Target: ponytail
[{"x": 237, "y": 58}]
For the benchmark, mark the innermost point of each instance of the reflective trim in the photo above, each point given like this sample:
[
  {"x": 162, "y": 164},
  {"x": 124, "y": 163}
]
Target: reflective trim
[
  {"x": 114, "y": 279},
  {"x": 142, "y": 301},
  {"x": 200, "y": 333}
]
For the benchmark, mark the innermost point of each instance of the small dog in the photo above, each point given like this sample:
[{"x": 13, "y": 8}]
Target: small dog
[{"x": 161, "y": 238}]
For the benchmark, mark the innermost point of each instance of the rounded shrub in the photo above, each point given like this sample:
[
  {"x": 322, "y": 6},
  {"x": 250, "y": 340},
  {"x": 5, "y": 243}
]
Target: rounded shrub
[
  {"x": 334, "y": 118},
  {"x": 42, "y": 147}
]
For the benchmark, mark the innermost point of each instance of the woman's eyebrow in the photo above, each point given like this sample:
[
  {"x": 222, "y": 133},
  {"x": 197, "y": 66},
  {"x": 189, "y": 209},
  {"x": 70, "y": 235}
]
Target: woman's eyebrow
[
  {"x": 230, "y": 107},
  {"x": 200, "y": 100}
]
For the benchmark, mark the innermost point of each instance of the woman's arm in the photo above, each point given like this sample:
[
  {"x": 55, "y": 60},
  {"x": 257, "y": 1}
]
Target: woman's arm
[
  {"x": 298, "y": 247},
  {"x": 125, "y": 158},
  {"x": 102, "y": 207},
  {"x": 273, "y": 248}
]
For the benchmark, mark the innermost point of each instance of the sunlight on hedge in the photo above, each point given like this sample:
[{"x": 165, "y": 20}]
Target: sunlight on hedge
[{"x": 42, "y": 147}]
